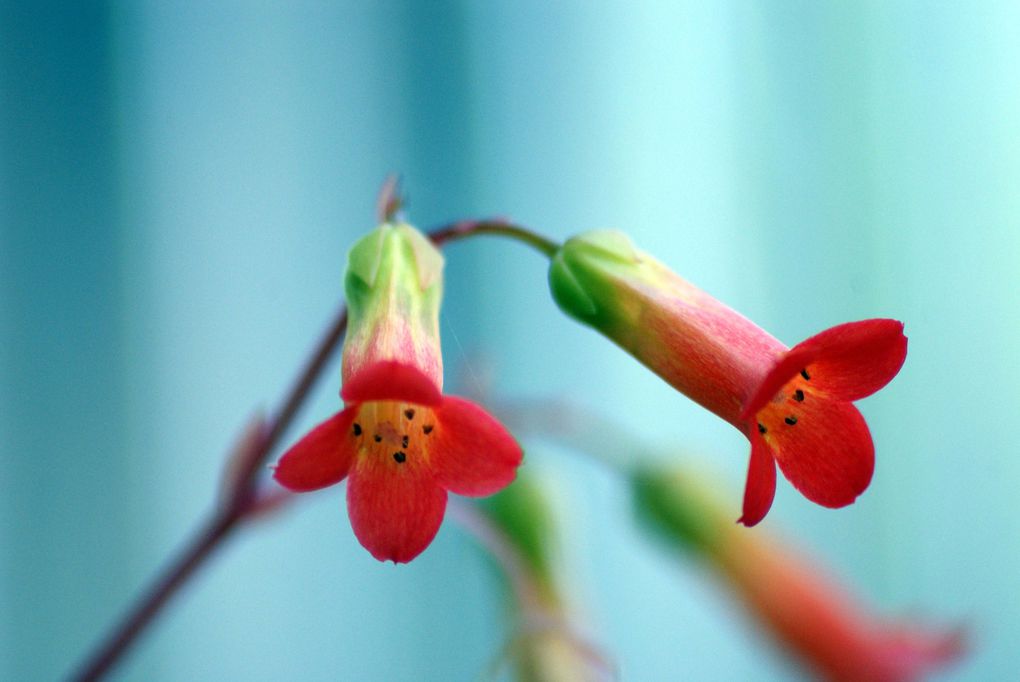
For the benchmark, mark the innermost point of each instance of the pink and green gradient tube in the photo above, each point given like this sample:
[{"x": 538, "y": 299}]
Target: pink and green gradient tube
[{"x": 793, "y": 404}]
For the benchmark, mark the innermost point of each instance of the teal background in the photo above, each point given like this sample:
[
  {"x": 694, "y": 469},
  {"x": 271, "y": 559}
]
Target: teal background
[{"x": 179, "y": 183}]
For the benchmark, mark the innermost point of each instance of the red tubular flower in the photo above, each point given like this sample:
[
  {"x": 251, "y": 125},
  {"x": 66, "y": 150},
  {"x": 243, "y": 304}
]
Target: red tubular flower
[
  {"x": 796, "y": 602},
  {"x": 400, "y": 442},
  {"x": 793, "y": 404}
]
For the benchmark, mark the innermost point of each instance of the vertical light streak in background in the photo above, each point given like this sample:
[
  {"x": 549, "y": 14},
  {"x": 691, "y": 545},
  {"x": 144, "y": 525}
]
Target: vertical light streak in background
[
  {"x": 63, "y": 387},
  {"x": 805, "y": 131},
  {"x": 620, "y": 117},
  {"x": 947, "y": 94},
  {"x": 262, "y": 137}
]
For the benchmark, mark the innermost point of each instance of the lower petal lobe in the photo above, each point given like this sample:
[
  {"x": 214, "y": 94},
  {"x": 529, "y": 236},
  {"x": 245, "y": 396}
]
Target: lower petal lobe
[
  {"x": 823, "y": 447},
  {"x": 396, "y": 507}
]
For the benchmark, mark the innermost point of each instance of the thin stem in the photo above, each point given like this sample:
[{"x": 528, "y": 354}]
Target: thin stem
[
  {"x": 470, "y": 228},
  {"x": 222, "y": 522},
  {"x": 242, "y": 501},
  {"x": 175, "y": 575}
]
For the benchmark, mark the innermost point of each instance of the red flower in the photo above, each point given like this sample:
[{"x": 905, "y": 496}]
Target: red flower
[
  {"x": 801, "y": 415},
  {"x": 794, "y": 405},
  {"x": 400, "y": 442},
  {"x": 794, "y": 600}
]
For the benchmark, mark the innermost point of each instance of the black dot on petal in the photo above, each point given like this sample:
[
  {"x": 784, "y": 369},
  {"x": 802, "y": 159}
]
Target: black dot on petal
[
  {"x": 409, "y": 413},
  {"x": 761, "y": 428},
  {"x": 804, "y": 374},
  {"x": 357, "y": 429},
  {"x": 405, "y": 441},
  {"x": 427, "y": 429},
  {"x": 400, "y": 457},
  {"x": 378, "y": 438},
  {"x": 798, "y": 395},
  {"x": 791, "y": 420}
]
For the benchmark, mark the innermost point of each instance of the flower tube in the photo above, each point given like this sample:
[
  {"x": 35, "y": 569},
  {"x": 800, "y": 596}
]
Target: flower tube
[
  {"x": 793, "y": 404},
  {"x": 794, "y": 601},
  {"x": 399, "y": 441}
]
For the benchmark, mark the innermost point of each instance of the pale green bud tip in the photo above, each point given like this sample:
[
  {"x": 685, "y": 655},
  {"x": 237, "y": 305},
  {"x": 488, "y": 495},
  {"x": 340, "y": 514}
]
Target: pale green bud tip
[
  {"x": 405, "y": 246},
  {"x": 676, "y": 508},
  {"x": 584, "y": 273}
]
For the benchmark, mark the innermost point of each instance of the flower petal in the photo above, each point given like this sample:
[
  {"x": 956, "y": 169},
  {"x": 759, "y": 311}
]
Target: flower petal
[
  {"x": 396, "y": 507},
  {"x": 827, "y": 454},
  {"x": 471, "y": 453},
  {"x": 391, "y": 380},
  {"x": 760, "y": 489},
  {"x": 848, "y": 362},
  {"x": 853, "y": 360},
  {"x": 322, "y": 457}
]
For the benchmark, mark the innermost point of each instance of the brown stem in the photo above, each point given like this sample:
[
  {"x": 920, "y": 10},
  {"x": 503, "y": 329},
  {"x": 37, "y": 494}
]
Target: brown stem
[
  {"x": 236, "y": 508},
  {"x": 165, "y": 587},
  {"x": 221, "y": 523}
]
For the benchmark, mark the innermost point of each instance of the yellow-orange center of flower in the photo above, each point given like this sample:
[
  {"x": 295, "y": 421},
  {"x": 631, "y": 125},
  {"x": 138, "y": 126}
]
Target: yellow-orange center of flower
[
  {"x": 787, "y": 408},
  {"x": 394, "y": 432}
]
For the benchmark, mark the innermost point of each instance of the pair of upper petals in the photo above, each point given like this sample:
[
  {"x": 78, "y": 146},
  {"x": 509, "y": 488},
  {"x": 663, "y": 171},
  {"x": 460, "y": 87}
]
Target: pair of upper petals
[{"x": 827, "y": 454}]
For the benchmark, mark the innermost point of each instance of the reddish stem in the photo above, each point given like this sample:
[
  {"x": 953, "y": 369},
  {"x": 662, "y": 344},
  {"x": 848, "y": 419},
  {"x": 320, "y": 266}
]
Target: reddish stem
[{"x": 221, "y": 523}]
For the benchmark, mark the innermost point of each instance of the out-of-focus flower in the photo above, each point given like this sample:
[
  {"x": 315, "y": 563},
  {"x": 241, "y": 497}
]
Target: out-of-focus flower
[
  {"x": 795, "y": 602},
  {"x": 793, "y": 404},
  {"x": 518, "y": 528},
  {"x": 400, "y": 442}
]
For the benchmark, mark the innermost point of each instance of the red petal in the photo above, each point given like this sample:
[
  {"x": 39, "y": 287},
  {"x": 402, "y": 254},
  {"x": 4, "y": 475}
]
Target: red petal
[
  {"x": 848, "y": 361},
  {"x": 322, "y": 457},
  {"x": 391, "y": 380},
  {"x": 395, "y": 508},
  {"x": 828, "y": 454},
  {"x": 471, "y": 453},
  {"x": 761, "y": 482},
  {"x": 853, "y": 360}
]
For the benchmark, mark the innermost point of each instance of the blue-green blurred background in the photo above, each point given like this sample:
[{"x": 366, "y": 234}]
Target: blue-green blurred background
[{"x": 179, "y": 183}]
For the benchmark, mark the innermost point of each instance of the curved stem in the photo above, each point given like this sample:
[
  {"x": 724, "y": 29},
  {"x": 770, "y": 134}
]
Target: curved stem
[
  {"x": 250, "y": 460},
  {"x": 470, "y": 228}
]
